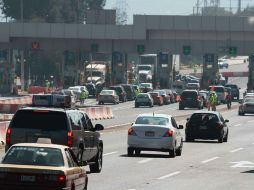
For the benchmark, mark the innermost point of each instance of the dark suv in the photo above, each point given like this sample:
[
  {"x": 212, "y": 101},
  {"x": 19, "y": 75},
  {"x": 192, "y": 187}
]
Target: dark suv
[
  {"x": 70, "y": 127},
  {"x": 130, "y": 91},
  {"x": 234, "y": 90},
  {"x": 191, "y": 99},
  {"x": 120, "y": 92}
]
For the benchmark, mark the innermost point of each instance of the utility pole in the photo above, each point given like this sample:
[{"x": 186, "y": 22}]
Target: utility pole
[
  {"x": 22, "y": 10},
  {"x": 239, "y": 6},
  {"x": 197, "y": 6}
]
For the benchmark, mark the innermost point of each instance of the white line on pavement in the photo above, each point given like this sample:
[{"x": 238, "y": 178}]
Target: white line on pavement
[
  {"x": 236, "y": 150},
  {"x": 110, "y": 153},
  {"x": 169, "y": 175},
  {"x": 145, "y": 160},
  {"x": 209, "y": 160},
  {"x": 250, "y": 121},
  {"x": 237, "y": 125}
]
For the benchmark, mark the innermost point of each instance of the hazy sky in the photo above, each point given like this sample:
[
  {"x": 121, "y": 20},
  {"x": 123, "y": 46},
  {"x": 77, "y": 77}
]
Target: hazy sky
[{"x": 166, "y": 7}]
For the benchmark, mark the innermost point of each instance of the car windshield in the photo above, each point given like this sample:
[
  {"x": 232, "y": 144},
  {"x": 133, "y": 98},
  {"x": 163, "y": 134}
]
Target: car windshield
[
  {"x": 161, "y": 92},
  {"x": 40, "y": 119},
  {"x": 187, "y": 94},
  {"x": 150, "y": 120},
  {"x": 40, "y": 156},
  {"x": 143, "y": 96},
  {"x": 249, "y": 100}
]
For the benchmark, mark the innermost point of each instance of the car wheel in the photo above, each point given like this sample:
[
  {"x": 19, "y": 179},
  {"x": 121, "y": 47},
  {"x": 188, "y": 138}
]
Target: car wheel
[
  {"x": 80, "y": 154},
  {"x": 238, "y": 97},
  {"x": 97, "y": 166},
  {"x": 243, "y": 113},
  {"x": 136, "y": 105},
  {"x": 226, "y": 138},
  {"x": 181, "y": 108},
  {"x": 220, "y": 139},
  {"x": 172, "y": 153},
  {"x": 137, "y": 152},
  {"x": 179, "y": 150},
  {"x": 85, "y": 188},
  {"x": 189, "y": 139},
  {"x": 130, "y": 151},
  {"x": 151, "y": 105}
]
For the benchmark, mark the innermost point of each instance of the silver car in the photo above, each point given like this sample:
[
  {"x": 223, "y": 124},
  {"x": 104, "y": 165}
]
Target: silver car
[
  {"x": 155, "y": 132},
  {"x": 144, "y": 99},
  {"x": 108, "y": 96},
  {"x": 246, "y": 106}
]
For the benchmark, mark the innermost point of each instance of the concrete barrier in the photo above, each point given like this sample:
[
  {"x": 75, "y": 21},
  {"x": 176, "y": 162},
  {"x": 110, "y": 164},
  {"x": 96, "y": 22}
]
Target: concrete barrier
[
  {"x": 6, "y": 117},
  {"x": 98, "y": 113},
  {"x": 3, "y": 129},
  {"x": 10, "y": 106}
]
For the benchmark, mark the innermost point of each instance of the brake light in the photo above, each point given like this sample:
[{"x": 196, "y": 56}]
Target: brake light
[
  {"x": 122, "y": 93},
  {"x": 8, "y": 136},
  {"x": 131, "y": 132},
  {"x": 69, "y": 138},
  {"x": 169, "y": 133},
  {"x": 218, "y": 125},
  {"x": 61, "y": 178}
]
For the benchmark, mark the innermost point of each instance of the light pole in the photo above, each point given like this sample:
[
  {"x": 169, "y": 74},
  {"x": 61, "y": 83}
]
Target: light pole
[{"x": 22, "y": 10}]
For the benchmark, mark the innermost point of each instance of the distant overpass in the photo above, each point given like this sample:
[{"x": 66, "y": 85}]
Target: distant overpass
[{"x": 203, "y": 34}]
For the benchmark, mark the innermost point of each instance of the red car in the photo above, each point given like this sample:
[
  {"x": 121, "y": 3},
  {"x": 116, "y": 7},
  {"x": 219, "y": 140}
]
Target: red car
[{"x": 157, "y": 99}]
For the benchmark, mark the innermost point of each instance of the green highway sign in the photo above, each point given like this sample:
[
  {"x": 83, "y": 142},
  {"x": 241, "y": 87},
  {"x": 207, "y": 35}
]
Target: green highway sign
[
  {"x": 186, "y": 50},
  {"x": 232, "y": 50},
  {"x": 140, "y": 49}
]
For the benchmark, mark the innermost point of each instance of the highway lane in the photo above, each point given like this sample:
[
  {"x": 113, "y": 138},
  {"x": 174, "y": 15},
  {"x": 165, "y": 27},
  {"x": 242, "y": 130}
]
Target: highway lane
[{"x": 204, "y": 164}]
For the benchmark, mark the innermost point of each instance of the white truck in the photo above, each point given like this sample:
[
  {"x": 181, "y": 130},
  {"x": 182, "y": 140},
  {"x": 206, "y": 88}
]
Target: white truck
[
  {"x": 96, "y": 72},
  {"x": 145, "y": 68}
]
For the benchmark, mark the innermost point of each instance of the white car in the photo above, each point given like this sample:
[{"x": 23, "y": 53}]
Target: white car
[{"x": 155, "y": 132}]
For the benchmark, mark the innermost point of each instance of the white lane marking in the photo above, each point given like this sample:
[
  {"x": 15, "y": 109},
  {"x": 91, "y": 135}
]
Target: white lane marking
[
  {"x": 145, "y": 160},
  {"x": 237, "y": 125},
  {"x": 209, "y": 160},
  {"x": 236, "y": 150},
  {"x": 110, "y": 153},
  {"x": 169, "y": 175},
  {"x": 250, "y": 121}
]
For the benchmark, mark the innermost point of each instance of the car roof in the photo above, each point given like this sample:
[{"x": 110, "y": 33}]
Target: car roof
[
  {"x": 211, "y": 112},
  {"x": 41, "y": 145},
  {"x": 49, "y": 109},
  {"x": 154, "y": 115}
]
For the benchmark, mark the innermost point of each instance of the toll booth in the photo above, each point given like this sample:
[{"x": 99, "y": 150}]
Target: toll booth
[
  {"x": 119, "y": 68},
  {"x": 164, "y": 70}
]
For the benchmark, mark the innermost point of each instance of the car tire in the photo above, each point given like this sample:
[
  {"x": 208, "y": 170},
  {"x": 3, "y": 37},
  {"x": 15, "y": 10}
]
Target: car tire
[
  {"x": 97, "y": 166},
  {"x": 172, "y": 153},
  {"x": 80, "y": 154},
  {"x": 220, "y": 139},
  {"x": 189, "y": 139},
  {"x": 130, "y": 152},
  {"x": 136, "y": 105},
  {"x": 85, "y": 188},
  {"x": 181, "y": 108},
  {"x": 179, "y": 150},
  {"x": 226, "y": 138},
  {"x": 151, "y": 105},
  {"x": 137, "y": 152}
]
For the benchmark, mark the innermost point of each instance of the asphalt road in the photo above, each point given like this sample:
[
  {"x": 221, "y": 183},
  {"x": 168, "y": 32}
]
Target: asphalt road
[{"x": 203, "y": 165}]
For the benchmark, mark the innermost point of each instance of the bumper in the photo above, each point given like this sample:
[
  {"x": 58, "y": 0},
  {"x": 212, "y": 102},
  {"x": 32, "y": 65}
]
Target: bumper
[
  {"x": 204, "y": 134},
  {"x": 189, "y": 104},
  {"x": 163, "y": 143}
]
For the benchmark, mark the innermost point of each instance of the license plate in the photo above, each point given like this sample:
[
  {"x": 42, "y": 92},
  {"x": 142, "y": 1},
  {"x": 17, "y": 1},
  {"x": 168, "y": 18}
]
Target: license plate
[
  {"x": 203, "y": 127},
  {"x": 149, "y": 134},
  {"x": 27, "y": 178}
]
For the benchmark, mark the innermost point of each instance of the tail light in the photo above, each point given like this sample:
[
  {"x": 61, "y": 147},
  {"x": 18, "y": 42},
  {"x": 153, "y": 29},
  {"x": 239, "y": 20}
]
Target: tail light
[
  {"x": 218, "y": 125},
  {"x": 61, "y": 178},
  {"x": 169, "y": 133},
  {"x": 8, "y": 136},
  {"x": 131, "y": 132},
  {"x": 69, "y": 138},
  {"x": 122, "y": 93}
]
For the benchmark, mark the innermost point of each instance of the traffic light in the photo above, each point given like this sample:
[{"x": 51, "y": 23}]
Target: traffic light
[
  {"x": 232, "y": 50},
  {"x": 186, "y": 50},
  {"x": 94, "y": 48},
  {"x": 140, "y": 49}
]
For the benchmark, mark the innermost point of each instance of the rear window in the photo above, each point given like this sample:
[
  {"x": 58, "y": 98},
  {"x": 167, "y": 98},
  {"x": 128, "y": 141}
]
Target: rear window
[
  {"x": 40, "y": 119},
  {"x": 218, "y": 89},
  {"x": 146, "y": 120},
  {"x": 187, "y": 94},
  {"x": 143, "y": 96},
  {"x": 203, "y": 118},
  {"x": 41, "y": 156}
]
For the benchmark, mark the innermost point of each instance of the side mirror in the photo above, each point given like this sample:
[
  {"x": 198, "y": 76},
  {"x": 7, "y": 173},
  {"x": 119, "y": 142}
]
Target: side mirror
[
  {"x": 99, "y": 127},
  {"x": 226, "y": 121},
  {"x": 240, "y": 101},
  {"x": 180, "y": 127},
  {"x": 188, "y": 119}
]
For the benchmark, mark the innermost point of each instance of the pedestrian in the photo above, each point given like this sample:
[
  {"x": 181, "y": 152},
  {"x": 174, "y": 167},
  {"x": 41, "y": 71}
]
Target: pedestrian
[
  {"x": 212, "y": 101},
  {"x": 82, "y": 97}
]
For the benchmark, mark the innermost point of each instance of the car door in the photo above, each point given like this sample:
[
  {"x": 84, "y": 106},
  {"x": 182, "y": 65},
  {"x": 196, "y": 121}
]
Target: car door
[
  {"x": 225, "y": 128},
  {"x": 87, "y": 137},
  {"x": 76, "y": 174},
  {"x": 177, "y": 132},
  {"x": 93, "y": 137}
]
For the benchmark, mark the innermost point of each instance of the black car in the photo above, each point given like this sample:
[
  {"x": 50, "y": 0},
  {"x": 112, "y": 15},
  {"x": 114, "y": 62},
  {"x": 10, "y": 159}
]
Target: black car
[
  {"x": 120, "y": 92},
  {"x": 63, "y": 125},
  {"x": 206, "y": 125},
  {"x": 191, "y": 99},
  {"x": 234, "y": 90},
  {"x": 130, "y": 91},
  {"x": 91, "y": 89}
]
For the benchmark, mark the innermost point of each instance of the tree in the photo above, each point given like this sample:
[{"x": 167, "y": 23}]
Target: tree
[
  {"x": 67, "y": 11},
  {"x": 121, "y": 12},
  {"x": 215, "y": 11}
]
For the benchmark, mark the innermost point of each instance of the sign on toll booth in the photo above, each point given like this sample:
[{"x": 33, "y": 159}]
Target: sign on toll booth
[{"x": 210, "y": 68}]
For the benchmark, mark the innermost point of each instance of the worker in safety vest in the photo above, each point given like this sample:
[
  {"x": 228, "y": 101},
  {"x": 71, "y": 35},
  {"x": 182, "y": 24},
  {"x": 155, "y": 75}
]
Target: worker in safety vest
[
  {"x": 212, "y": 101},
  {"x": 82, "y": 97}
]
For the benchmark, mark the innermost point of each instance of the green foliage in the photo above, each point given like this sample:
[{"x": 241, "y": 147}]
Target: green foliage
[{"x": 67, "y": 11}]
